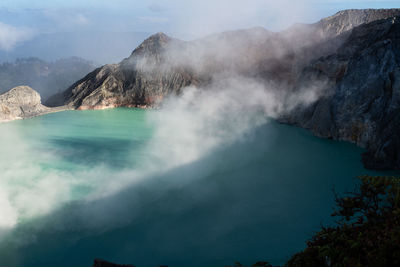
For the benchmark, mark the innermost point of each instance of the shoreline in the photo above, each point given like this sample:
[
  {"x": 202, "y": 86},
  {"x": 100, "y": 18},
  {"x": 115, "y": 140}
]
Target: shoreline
[
  {"x": 47, "y": 111},
  {"x": 67, "y": 108}
]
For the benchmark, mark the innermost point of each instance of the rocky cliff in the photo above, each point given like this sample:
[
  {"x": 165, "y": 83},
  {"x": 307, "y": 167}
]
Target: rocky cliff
[
  {"x": 140, "y": 80},
  {"x": 348, "y": 19},
  {"x": 22, "y": 102},
  {"x": 355, "y": 53},
  {"x": 363, "y": 105}
]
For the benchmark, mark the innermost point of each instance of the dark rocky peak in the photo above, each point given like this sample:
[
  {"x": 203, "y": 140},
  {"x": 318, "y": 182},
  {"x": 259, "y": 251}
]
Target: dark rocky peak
[
  {"x": 150, "y": 52},
  {"x": 348, "y": 19},
  {"x": 312, "y": 41},
  {"x": 377, "y": 33},
  {"x": 340, "y": 24},
  {"x": 153, "y": 43}
]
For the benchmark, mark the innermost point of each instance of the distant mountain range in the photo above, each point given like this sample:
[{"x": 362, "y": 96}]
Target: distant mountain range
[
  {"x": 48, "y": 78},
  {"x": 99, "y": 47}
]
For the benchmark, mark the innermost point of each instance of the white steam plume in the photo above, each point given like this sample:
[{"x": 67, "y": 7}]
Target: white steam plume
[{"x": 10, "y": 36}]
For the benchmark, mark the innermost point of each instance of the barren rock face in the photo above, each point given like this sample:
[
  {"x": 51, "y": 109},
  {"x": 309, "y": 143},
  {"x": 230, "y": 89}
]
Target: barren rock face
[
  {"x": 364, "y": 104},
  {"x": 140, "y": 80},
  {"x": 349, "y": 19},
  {"x": 19, "y": 103}
]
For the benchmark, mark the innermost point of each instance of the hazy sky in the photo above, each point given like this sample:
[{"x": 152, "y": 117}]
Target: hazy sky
[{"x": 22, "y": 19}]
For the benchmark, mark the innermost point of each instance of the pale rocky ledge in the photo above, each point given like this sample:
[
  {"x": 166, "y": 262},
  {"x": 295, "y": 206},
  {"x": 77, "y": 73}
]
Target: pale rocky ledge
[{"x": 23, "y": 102}]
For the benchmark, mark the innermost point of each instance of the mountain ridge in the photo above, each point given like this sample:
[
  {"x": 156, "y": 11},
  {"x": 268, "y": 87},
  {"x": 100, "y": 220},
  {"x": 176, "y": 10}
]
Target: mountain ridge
[
  {"x": 350, "y": 18},
  {"x": 150, "y": 53},
  {"x": 47, "y": 78}
]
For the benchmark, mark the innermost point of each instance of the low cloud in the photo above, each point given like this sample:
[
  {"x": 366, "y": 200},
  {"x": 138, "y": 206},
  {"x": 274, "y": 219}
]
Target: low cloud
[
  {"x": 11, "y": 36},
  {"x": 156, "y": 7},
  {"x": 67, "y": 19},
  {"x": 204, "y": 17}
]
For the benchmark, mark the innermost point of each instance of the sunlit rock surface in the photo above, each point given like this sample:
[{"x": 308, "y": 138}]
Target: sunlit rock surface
[
  {"x": 131, "y": 83},
  {"x": 22, "y": 102},
  {"x": 348, "y": 19}
]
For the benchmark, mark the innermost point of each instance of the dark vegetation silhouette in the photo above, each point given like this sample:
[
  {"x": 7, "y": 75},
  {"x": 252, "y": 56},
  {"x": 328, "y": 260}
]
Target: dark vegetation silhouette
[{"x": 367, "y": 230}]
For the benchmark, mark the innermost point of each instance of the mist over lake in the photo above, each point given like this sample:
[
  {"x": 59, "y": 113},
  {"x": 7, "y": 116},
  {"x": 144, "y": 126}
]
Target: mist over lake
[{"x": 254, "y": 198}]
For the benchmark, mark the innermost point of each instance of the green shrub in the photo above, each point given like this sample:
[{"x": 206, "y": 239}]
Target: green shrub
[{"x": 367, "y": 231}]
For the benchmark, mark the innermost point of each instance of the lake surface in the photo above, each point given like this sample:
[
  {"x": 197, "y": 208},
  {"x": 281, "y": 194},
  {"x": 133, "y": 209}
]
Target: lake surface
[{"x": 80, "y": 185}]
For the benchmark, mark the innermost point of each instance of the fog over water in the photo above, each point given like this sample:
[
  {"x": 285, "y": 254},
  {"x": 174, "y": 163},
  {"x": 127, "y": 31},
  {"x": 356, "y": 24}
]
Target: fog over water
[{"x": 164, "y": 187}]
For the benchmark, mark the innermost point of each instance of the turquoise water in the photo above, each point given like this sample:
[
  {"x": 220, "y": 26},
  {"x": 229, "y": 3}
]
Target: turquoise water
[{"x": 258, "y": 198}]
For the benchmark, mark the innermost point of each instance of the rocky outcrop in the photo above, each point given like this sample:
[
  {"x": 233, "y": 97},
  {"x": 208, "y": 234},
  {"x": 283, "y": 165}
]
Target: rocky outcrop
[
  {"x": 363, "y": 105},
  {"x": 355, "y": 53},
  {"x": 140, "y": 80},
  {"x": 22, "y": 102},
  {"x": 349, "y": 19}
]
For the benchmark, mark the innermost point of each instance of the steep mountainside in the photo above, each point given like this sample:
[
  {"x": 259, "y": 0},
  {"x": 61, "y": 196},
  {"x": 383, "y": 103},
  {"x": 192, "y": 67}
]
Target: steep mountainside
[
  {"x": 353, "y": 54},
  {"x": 348, "y": 19},
  {"x": 47, "y": 78},
  {"x": 22, "y": 102},
  {"x": 139, "y": 80},
  {"x": 364, "y": 101}
]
